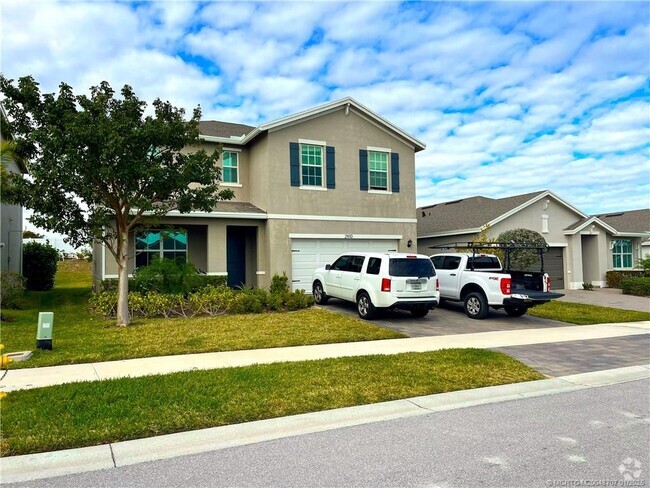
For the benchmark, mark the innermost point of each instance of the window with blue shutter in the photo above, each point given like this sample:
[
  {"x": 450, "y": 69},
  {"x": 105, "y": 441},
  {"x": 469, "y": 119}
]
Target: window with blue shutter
[
  {"x": 294, "y": 163},
  {"x": 331, "y": 167},
  {"x": 363, "y": 169},
  {"x": 394, "y": 172}
]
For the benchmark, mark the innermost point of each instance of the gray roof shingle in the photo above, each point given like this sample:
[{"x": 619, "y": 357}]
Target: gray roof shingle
[
  {"x": 628, "y": 221},
  {"x": 217, "y": 128},
  {"x": 237, "y": 207},
  {"x": 466, "y": 213}
]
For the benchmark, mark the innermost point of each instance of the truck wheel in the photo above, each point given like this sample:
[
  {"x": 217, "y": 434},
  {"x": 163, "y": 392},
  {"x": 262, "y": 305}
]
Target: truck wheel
[
  {"x": 419, "y": 311},
  {"x": 320, "y": 297},
  {"x": 476, "y": 306},
  {"x": 514, "y": 310},
  {"x": 366, "y": 309}
]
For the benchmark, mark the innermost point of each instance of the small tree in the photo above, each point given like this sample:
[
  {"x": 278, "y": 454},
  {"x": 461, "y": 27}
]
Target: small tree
[
  {"x": 101, "y": 168},
  {"x": 30, "y": 234},
  {"x": 523, "y": 259}
]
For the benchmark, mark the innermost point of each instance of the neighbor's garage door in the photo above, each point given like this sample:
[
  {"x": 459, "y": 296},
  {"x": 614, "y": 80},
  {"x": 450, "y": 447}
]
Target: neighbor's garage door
[
  {"x": 554, "y": 266},
  {"x": 309, "y": 254}
]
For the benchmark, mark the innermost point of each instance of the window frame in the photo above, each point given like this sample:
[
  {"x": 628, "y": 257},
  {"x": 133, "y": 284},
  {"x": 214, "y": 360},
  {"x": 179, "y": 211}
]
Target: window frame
[
  {"x": 236, "y": 167},
  {"x": 323, "y": 164},
  {"x": 622, "y": 253},
  {"x": 161, "y": 246}
]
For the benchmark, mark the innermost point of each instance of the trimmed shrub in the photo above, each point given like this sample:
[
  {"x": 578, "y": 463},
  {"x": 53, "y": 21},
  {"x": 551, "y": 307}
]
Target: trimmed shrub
[
  {"x": 12, "y": 290},
  {"x": 165, "y": 276},
  {"x": 298, "y": 300},
  {"x": 279, "y": 284},
  {"x": 636, "y": 286},
  {"x": 614, "y": 278},
  {"x": 39, "y": 266}
]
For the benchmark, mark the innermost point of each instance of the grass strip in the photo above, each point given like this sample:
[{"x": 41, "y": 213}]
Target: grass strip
[
  {"x": 583, "y": 314},
  {"x": 81, "y": 337},
  {"x": 93, "y": 413}
]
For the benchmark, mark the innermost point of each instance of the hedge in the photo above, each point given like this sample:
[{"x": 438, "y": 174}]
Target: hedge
[
  {"x": 614, "y": 278},
  {"x": 39, "y": 266},
  {"x": 211, "y": 301},
  {"x": 199, "y": 282},
  {"x": 636, "y": 286}
]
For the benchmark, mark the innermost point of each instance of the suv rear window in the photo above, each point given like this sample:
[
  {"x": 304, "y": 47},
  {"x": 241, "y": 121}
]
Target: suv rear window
[
  {"x": 411, "y": 267},
  {"x": 484, "y": 262}
]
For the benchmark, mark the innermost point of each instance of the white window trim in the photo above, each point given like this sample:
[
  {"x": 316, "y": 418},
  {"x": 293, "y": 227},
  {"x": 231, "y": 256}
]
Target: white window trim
[
  {"x": 322, "y": 145},
  {"x": 388, "y": 190},
  {"x": 231, "y": 183},
  {"x": 631, "y": 254}
]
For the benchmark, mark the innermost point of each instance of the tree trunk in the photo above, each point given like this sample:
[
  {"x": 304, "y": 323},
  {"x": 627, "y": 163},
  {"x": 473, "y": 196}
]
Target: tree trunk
[{"x": 123, "y": 318}]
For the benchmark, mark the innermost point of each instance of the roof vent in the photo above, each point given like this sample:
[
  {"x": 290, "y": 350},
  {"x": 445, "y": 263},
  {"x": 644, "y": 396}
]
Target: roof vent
[
  {"x": 613, "y": 215},
  {"x": 424, "y": 214}
]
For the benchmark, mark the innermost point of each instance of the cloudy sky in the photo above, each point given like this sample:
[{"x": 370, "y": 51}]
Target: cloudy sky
[{"x": 509, "y": 97}]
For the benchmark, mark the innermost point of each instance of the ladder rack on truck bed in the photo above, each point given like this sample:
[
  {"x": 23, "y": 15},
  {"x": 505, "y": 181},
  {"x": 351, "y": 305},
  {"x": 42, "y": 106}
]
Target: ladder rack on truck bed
[{"x": 507, "y": 247}]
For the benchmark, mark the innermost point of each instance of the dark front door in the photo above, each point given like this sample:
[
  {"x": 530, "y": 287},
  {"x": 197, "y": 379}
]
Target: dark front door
[
  {"x": 236, "y": 256},
  {"x": 554, "y": 266}
]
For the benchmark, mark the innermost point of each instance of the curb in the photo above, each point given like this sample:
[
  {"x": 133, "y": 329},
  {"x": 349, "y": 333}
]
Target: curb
[{"x": 58, "y": 463}]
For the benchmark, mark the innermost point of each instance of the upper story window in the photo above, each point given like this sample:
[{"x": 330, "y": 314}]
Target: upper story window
[
  {"x": 311, "y": 165},
  {"x": 230, "y": 167},
  {"x": 162, "y": 244},
  {"x": 622, "y": 253},
  {"x": 378, "y": 170}
]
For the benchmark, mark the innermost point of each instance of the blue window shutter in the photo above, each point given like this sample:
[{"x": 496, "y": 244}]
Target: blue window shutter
[
  {"x": 294, "y": 162},
  {"x": 363, "y": 169},
  {"x": 331, "y": 167},
  {"x": 394, "y": 172}
]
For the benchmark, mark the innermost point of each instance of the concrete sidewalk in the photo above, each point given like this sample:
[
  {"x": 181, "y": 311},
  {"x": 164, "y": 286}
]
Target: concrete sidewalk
[
  {"x": 58, "y": 463},
  {"x": 55, "y": 375}
]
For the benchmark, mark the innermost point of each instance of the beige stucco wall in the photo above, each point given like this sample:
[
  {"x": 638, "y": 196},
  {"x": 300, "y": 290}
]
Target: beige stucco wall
[{"x": 348, "y": 134}]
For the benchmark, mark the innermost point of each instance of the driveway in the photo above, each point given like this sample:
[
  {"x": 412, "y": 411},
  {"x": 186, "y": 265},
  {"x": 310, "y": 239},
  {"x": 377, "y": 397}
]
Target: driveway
[{"x": 447, "y": 319}]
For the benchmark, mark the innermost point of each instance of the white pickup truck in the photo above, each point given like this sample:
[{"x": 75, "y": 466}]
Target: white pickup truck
[{"x": 479, "y": 281}]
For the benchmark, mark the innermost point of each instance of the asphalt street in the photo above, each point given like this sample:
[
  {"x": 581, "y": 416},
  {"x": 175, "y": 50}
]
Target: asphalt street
[{"x": 597, "y": 436}]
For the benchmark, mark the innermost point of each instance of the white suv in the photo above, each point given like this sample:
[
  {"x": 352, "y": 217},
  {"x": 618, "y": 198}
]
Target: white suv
[{"x": 379, "y": 280}]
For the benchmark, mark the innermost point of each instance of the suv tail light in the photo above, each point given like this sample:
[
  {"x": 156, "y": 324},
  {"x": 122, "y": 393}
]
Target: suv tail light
[
  {"x": 548, "y": 283},
  {"x": 437, "y": 285},
  {"x": 385, "y": 284},
  {"x": 506, "y": 284}
]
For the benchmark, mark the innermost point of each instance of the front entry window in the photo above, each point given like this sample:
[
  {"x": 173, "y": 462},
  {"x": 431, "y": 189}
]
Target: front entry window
[
  {"x": 164, "y": 244},
  {"x": 622, "y": 253}
]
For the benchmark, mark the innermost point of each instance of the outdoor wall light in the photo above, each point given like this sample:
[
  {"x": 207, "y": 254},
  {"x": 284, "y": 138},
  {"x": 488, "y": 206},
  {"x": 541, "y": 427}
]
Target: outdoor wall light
[{"x": 409, "y": 243}]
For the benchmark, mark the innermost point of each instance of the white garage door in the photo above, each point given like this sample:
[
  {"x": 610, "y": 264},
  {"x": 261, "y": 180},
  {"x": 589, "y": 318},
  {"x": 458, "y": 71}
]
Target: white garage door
[{"x": 309, "y": 254}]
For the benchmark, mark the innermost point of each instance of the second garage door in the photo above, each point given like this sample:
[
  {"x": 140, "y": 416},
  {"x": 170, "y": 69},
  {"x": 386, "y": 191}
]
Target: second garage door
[
  {"x": 554, "y": 266},
  {"x": 309, "y": 254}
]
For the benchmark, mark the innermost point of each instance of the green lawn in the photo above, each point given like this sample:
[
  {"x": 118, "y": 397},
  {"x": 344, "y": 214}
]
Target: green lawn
[
  {"x": 582, "y": 314},
  {"x": 92, "y": 413},
  {"x": 81, "y": 337}
]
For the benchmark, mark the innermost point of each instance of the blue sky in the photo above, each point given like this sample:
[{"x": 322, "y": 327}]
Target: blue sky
[{"x": 509, "y": 97}]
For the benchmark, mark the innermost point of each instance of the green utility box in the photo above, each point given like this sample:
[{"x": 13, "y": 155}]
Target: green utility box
[{"x": 44, "y": 332}]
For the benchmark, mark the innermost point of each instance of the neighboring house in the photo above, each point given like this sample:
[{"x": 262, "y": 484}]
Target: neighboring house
[
  {"x": 582, "y": 247},
  {"x": 11, "y": 216},
  {"x": 308, "y": 187}
]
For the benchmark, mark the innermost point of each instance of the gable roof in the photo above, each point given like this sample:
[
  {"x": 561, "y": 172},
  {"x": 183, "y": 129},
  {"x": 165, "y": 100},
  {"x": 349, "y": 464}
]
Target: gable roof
[
  {"x": 348, "y": 102},
  {"x": 582, "y": 223},
  {"x": 217, "y": 128},
  {"x": 471, "y": 215},
  {"x": 628, "y": 222},
  {"x": 467, "y": 214}
]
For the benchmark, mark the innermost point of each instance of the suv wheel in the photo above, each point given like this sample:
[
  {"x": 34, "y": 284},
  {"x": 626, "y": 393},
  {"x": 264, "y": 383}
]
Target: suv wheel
[
  {"x": 365, "y": 307},
  {"x": 476, "y": 306},
  {"x": 320, "y": 297}
]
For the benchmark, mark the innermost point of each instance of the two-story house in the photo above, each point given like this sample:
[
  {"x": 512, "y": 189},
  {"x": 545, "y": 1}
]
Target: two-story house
[{"x": 308, "y": 186}]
